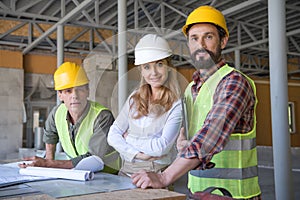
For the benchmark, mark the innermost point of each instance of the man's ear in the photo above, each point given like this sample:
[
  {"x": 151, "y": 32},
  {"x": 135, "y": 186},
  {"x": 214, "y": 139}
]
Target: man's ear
[
  {"x": 59, "y": 93},
  {"x": 224, "y": 42}
]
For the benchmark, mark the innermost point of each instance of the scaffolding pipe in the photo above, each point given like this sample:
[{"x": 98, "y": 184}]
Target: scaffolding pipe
[
  {"x": 279, "y": 100},
  {"x": 60, "y": 45}
]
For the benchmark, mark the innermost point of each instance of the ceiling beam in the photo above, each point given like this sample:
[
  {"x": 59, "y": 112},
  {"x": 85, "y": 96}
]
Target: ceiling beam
[
  {"x": 240, "y": 6},
  {"x": 64, "y": 20}
]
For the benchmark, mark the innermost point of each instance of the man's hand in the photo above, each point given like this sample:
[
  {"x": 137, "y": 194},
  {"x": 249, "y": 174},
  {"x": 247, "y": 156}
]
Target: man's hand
[
  {"x": 41, "y": 162},
  {"x": 145, "y": 180},
  {"x": 182, "y": 142},
  {"x": 178, "y": 168},
  {"x": 36, "y": 162},
  {"x": 146, "y": 157}
]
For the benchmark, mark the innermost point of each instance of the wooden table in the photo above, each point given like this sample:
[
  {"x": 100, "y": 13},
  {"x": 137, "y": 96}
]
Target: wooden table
[
  {"x": 139, "y": 194},
  {"x": 40, "y": 189}
]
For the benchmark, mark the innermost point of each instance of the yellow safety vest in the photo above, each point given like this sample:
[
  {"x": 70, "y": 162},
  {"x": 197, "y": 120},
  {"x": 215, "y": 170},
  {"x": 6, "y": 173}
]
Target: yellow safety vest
[
  {"x": 83, "y": 135},
  {"x": 236, "y": 166}
]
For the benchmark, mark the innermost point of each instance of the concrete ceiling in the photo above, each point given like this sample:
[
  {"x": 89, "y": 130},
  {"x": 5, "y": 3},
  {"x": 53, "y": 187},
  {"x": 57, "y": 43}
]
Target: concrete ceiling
[{"x": 247, "y": 23}]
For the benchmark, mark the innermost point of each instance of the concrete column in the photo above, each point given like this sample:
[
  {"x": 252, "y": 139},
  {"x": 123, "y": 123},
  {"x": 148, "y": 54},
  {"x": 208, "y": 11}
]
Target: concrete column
[
  {"x": 279, "y": 100},
  {"x": 122, "y": 53}
]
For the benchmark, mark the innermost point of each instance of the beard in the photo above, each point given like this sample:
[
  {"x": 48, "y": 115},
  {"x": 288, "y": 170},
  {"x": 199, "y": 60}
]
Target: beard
[{"x": 206, "y": 63}]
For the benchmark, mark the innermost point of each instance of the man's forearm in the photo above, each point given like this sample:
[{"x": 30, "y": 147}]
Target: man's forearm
[
  {"x": 177, "y": 169},
  {"x": 50, "y": 151},
  {"x": 50, "y": 159},
  {"x": 65, "y": 164}
]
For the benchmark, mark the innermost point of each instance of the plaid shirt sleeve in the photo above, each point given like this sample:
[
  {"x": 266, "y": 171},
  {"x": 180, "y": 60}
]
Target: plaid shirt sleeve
[{"x": 232, "y": 111}]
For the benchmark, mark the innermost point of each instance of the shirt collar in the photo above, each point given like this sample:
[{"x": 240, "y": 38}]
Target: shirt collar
[{"x": 201, "y": 77}]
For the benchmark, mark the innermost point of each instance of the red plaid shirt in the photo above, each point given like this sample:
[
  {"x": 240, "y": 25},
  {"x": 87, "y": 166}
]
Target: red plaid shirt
[{"x": 232, "y": 112}]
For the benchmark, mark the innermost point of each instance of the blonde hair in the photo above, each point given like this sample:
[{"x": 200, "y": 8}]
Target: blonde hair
[{"x": 167, "y": 95}]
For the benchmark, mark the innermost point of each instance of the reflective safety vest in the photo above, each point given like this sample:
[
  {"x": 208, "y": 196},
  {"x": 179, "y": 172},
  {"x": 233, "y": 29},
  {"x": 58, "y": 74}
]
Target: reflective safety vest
[
  {"x": 83, "y": 135},
  {"x": 236, "y": 166}
]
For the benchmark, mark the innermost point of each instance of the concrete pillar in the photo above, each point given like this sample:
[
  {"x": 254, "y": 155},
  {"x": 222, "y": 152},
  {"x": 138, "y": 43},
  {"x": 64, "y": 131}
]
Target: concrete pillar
[
  {"x": 60, "y": 60},
  {"x": 279, "y": 100},
  {"x": 122, "y": 53}
]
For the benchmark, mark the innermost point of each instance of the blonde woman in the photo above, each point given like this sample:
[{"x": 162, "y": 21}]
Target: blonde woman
[{"x": 146, "y": 129}]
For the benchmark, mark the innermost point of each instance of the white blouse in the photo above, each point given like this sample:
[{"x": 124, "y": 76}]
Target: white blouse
[{"x": 154, "y": 136}]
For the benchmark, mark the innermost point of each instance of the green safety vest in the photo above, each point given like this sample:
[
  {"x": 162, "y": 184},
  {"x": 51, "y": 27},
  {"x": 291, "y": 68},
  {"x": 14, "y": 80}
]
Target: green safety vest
[
  {"x": 236, "y": 166},
  {"x": 83, "y": 135}
]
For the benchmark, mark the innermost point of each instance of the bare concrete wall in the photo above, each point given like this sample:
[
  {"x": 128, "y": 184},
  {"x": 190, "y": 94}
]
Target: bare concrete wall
[
  {"x": 11, "y": 110},
  {"x": 103, "y": 76}
]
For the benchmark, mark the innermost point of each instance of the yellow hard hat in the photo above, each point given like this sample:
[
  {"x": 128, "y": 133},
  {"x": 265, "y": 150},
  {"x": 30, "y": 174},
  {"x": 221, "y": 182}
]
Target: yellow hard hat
[
  {"x": 205, "y": 14},
  {"x": 69, "y": 75}
]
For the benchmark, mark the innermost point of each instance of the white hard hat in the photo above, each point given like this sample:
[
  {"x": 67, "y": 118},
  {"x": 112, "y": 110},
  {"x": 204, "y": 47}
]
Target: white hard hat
[{"x": 151, "y": 48}]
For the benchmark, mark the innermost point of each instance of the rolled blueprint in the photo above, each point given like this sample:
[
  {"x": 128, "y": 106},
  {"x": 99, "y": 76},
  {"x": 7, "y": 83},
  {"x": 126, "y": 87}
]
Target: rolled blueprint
[
  {"x": 92, "y": 163},
  {"x": 72, "y": 174}
]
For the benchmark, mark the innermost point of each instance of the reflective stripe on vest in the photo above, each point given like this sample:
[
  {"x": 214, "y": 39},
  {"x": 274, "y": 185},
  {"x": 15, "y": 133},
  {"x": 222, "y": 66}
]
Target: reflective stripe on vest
[
  {"x": 226, "y": 173},
  {"x": 84, "y": 133},
  {"x": 243, "y": 145},
  {"x": 236, "y": 164}
]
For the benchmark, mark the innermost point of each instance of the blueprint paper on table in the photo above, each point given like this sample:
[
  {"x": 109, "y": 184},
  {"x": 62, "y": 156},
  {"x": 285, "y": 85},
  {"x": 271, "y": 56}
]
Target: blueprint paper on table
[
  {"x": 102, "y": 182},
  {"x": 17, "y": 190},
  {"x": 10, "y": 176}
]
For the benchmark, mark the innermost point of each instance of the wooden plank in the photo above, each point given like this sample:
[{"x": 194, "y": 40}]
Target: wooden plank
[
  {"x": 148, "y": 194},
  {"x": 161, "y": 194}
]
